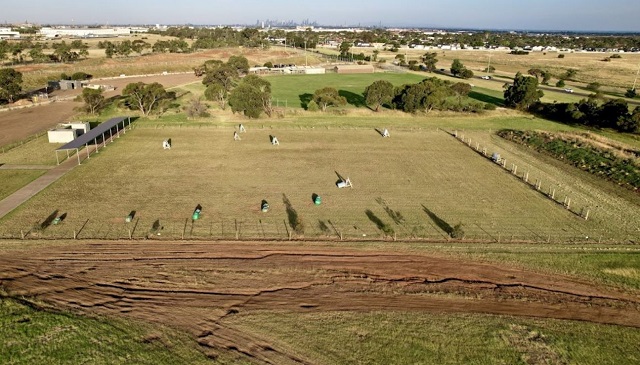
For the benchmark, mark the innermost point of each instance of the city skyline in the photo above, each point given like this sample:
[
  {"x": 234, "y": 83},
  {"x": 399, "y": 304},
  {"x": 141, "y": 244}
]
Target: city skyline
[{"x": 570, "y": 15}]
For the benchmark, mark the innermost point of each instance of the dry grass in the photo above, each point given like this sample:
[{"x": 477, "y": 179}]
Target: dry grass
[{"x": 431, "y": 179}]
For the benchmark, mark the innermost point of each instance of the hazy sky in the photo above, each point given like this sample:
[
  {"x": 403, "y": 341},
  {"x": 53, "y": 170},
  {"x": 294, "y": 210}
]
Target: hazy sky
[{"x": 597, "y": 15}]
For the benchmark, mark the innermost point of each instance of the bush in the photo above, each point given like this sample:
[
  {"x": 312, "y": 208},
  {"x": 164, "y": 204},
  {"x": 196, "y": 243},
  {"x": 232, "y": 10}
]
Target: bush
[
  {"x": 268, "y": 64},
  {"x": 594, "y": 86},
  {"x": 80, "y": 76},
  {"x": 560, "y": 83},
  {"x": 312, "y": 106},
  {"x": 615, "y": 56},
  {"x": 489, "y": 106},
  {"x": 560, "y": 56},
  {"x": 631, "y": 93}
]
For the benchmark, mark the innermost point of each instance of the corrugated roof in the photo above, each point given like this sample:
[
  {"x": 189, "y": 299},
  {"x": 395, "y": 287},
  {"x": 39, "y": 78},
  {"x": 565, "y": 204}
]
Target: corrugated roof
[{"x": 92, "y": 134}]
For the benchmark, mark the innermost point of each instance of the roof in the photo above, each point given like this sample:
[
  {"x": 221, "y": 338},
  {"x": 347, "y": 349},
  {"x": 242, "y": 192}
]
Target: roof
[{"x": 92, "y": 134}]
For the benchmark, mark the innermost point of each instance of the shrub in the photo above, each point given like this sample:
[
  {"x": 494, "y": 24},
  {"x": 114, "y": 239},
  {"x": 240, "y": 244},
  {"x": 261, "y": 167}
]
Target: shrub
[
  {"x": 631, "y": 93},
  {"x": 594, "y": 86},
  {"x": 312, "y": 106},
  {"x": 560, "y": 83},
  {"x": 560, "y": 56},
  {"x": 80, "y": 76},
  {"x": 489, "y": 106},
  {"x": 615, "y": 56}
]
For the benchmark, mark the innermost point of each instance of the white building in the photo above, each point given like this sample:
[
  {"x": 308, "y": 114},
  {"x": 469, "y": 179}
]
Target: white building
[
  {"x": 7, "y": 33},
  {"x": 67, "y": 132},
  {"x": 83, "y": 32}
]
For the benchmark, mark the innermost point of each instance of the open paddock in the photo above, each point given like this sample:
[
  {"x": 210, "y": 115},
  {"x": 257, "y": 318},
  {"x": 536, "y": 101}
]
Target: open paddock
[{"x": 418, "y": 184}]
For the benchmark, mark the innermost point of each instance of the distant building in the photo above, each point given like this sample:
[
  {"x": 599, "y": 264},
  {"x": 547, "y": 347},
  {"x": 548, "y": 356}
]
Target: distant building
[
  {"x": 67, "y": 132},
  {"x": 85, "y": 32},
  {"x": 7, "y": 33}
]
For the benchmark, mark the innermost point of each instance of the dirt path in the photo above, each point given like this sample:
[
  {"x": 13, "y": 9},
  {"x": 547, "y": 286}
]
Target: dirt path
[{"x": 196, "y": 285}]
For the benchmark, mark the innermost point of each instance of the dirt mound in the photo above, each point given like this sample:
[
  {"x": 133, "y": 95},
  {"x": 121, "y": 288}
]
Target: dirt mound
[{"x": 195, "y": 285}]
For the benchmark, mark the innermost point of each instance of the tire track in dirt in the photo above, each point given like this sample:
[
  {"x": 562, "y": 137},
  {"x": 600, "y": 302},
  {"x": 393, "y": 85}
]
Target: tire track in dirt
[{"x": 199, "y": 287}]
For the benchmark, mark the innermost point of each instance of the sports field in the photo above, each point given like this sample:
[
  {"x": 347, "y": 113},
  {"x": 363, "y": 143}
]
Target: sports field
[{"x": 418, "y": 184}]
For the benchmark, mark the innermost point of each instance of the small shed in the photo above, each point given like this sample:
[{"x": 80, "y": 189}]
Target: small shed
[
  {"x": 70, "y": 84},
  {"x": 354, "y": 69},
  {"x": 67, "y": 132}
]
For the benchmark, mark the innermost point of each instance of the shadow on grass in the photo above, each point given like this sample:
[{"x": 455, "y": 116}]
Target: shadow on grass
[
  {"x": 47, "y": 221},
  {"x": 384, "y": 227},
  {"x": 295, "y": 222},
  {"x": 397, "y": 217},
  {"x": 441, "y": 223},
  {"x": 486, "y": 98},
  {"x": 354, "y": 99}
]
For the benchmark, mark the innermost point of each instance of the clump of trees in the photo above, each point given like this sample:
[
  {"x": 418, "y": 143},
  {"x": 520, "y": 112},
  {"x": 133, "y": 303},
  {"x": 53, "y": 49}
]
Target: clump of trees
[
  {"x": 124, "y": 48},
  {"x": 328, "y": 96},
  {"x": 459, "y": 70},
  {"x": 429, "y": 94},
  {"x": 252, "y": 97},
  {"x": 522, "y": 93},
  {"x": 147, "y": 98},
  {"x": 613, "y": 114},
  {"x": 10, "y": 85},
  {"x": 93, "y": 100}
]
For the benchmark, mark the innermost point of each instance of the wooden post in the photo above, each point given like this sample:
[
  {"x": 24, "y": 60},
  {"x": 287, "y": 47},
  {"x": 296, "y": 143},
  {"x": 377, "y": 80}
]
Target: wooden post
[
  {"x": 553, "y": 194},
  {"x": 75, "y": 236},
  {"x": 515, "y": 169},
  {"x": 526, "y": 177},
  {"x": 586, "y": 216},
  {"x": 237, "y": 233},
  {"x": 22, "y": 234},
  {"x": 130, "y": 233}
]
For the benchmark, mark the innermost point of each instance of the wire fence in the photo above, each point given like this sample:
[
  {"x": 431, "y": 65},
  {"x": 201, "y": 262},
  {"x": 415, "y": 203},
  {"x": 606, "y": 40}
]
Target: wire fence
[{"x": 278, "y": 228}]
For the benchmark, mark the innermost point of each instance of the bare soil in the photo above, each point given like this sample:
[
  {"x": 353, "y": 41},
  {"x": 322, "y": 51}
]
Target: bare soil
[
  {"x": 19, "y": 124},
  {"x": 195, "y": 286}
]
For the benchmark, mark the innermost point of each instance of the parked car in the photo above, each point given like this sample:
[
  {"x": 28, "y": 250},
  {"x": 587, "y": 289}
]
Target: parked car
[{"x": 569, "y": 90}]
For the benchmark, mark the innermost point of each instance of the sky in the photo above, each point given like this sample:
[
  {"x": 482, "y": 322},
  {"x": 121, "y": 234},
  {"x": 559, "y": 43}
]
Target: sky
[{"x": 557, "y": 15}]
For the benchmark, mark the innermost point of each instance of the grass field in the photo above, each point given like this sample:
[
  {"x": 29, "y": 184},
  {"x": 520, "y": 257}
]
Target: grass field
[
  {"x": 31, "y": 335},
  {"x": 13, "y": 180},
  {"x": 420, "y": 183},
  {"x": 411, "y": 338}
]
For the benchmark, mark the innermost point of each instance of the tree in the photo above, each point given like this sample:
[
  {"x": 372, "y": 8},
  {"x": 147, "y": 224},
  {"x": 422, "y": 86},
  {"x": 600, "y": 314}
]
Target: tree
[
  {"x": 217, "y": 93},
  {"x": 536, "y": 72},
  {"x": 461, "y": 89},
  {"x": 223, "y": 75},
  {"x": 252, "y": 97},
  {"x": 93, "y": 100},
  {"x": 344, "y": 48},
  {"x": 430, "y": 61},
  {"x": 466, "y": 73},
  {"x": 523, "y": 93},
  {"x": 456, "y": 67},
  {"x": 593, "y": 86},
  {"x": 378, "y": 93},
  {"x": 239, "y": 63},
  {"x": 10, "y": 84},
  {"x": 328, "y": 96},
  {"x": 145, "y": 97},
  {"x": 631, "y": 93},
  {"x": 374, "y": 57},
  {"x": 569, "y": 74},
  {"x": 613, "y": 113},
  {"x": 560, "y": 83}
]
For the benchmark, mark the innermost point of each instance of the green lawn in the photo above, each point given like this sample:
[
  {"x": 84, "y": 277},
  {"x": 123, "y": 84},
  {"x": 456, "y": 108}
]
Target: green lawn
[{"x": 432, "y": 338}]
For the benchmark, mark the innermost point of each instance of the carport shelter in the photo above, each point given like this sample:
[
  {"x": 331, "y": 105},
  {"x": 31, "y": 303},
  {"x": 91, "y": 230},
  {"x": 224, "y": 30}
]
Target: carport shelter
[{"x": 101, "y": 133}]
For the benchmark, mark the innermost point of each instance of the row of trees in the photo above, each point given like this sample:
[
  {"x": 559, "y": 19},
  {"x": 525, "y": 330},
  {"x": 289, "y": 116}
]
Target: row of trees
[
  {"x": 429, "y": 94},
  {"x": 524, "y": 94},
  {"x": 27, "y": 50}
]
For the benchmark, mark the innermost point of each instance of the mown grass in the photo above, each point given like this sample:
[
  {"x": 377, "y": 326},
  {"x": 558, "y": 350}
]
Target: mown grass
[
  {"x": 420, "y": 172},
  {"x": 12, "y": 180},
  {"x": 37, "y": 151},
  {"x": 433, "y": 338},
  {"x": 31, "y": 335}
]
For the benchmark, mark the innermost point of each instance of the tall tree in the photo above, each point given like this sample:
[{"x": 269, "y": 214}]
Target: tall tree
[
  {"x": 93, "y": 100},
  {"x": 216, "y": 92},
  {"x": 430, "y": 61},
  {"x": 378, "y": 93},
  {"x": 10, "y": 84},
  {"x": 456, "y": 67},
  {"x": 328, "y": 96},
  {"x": 239, "y": 63},
  {"x": 246, "y": 99},
  {"x": 523, "y": 93},
  {"x": 344, "y": 48},
  {"x": 461, "y": 89},
  {"x": 145, "y": 97}
]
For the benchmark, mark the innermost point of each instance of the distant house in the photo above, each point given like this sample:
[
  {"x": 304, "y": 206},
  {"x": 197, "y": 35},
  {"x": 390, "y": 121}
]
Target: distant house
[
  {"x": 7, "y": 33},
  {"x": 354, "y": 69}
]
